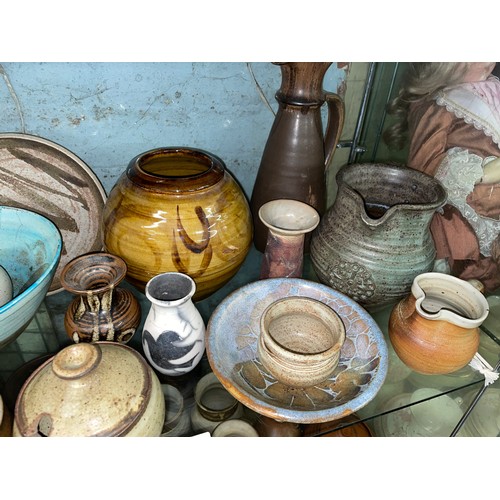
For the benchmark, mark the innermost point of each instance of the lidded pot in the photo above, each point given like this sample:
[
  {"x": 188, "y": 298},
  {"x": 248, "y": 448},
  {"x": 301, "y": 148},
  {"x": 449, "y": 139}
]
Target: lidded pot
[{"x": 91, "y": 389}]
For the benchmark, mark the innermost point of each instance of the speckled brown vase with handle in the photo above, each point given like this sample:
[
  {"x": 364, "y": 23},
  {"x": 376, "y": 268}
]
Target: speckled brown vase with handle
[
  {"x": 178, "y": 209},
  {"x": 435, "y": 329},
  {"x": 297, "y": 152},
  {"x": 101, "y": 310},
  {"x": 376, "y": 238}
]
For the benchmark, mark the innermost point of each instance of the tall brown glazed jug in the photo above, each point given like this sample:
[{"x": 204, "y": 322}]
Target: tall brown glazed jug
[{"x": 298, "y": 152}]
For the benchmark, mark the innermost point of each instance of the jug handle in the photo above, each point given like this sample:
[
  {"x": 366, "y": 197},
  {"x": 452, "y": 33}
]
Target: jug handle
[
  {"x": 477, "y": 284},
  {"x": 335, "y": 124}
]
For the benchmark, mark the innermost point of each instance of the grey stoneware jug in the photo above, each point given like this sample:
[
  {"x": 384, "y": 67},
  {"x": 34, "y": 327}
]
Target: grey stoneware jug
[{"x": 375, "y": 238}]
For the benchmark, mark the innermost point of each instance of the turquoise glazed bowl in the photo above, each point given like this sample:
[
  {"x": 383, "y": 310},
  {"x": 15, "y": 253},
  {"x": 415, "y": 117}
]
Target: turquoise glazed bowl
[{"x": 30, "y": 249}]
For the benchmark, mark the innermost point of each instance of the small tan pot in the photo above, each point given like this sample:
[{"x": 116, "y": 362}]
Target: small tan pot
[{"x": 300, "y": 341}]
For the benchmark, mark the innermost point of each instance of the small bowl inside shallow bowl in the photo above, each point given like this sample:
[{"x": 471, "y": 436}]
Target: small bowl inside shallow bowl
[
  {"x": 30, "y": 249},
  {"x": 232, "y": 338},
  {"x": 300, "y": 340}
]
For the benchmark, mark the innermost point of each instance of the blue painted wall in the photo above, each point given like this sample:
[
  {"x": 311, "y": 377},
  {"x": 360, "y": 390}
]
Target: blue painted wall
[{"x": 107, "y": 113}]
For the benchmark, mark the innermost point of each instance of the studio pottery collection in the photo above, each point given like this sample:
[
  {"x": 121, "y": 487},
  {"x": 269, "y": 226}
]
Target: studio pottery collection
[{"x": 175, "y": 229}]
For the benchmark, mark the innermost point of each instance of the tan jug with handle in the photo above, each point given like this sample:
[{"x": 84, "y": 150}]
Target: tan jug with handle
[{"x": 435, "y": 329}]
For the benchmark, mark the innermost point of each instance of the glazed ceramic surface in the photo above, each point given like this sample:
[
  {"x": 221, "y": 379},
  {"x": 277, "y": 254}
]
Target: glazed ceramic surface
[
  {"x": 177, "y": 419},
  {"x": 349, "y": 426},
  {"x": 91, "y": 389},
  {"x": 213, "y": 405},
  {"x": 44, "y": 177},
  {"x": 16, "y": 380},
  {"x": 30, "y": 249},
  {"x": 268, "y": 427},
  {"x": 5, "y": 420},
  {"x": 232, "y": 339},
  {"x": 234, "y": 428},
  {"x": 101, "y": 309},
  {"x": 297, "y": 153},
  {"x": 300, "y": 341},
  {"x": 173, "y": 337},
  {"x": 376, "y": 237},
  {"x": 435, "y": 329},
  {"x": 178, "y": 210},
  {"x": 288, "y": 222},
  {"x": 5, "y": 287}
]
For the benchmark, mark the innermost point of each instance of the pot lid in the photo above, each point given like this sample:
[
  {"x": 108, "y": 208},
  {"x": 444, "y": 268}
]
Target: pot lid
[{"x": 86, "y": 389}]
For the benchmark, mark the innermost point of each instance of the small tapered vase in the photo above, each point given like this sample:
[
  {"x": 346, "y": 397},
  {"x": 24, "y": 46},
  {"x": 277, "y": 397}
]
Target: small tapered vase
[{"x": 288, "y": 222}]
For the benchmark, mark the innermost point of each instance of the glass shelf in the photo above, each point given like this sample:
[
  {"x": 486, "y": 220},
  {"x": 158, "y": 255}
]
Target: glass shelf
[
  {"x": 393, "y": 411},
  {"x": 390, "y": 412}
]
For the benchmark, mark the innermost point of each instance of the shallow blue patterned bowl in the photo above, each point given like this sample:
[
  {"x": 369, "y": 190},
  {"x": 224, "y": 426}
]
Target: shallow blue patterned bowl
[
  {"x": 231, "y": 343},
  {"x": 30, "y": 249}
]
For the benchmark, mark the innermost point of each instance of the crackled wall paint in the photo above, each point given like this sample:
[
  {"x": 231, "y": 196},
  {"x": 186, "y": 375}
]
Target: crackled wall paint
[{"x": 107, "y": 113}]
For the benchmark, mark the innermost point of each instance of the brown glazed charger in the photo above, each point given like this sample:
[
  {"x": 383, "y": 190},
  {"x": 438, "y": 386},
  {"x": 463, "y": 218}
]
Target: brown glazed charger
[
  {"x": 178, "y": 210},
  {"x": 44, "y": 177}
]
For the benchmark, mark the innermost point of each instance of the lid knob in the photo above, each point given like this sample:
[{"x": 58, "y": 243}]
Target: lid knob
[{"x": 76, "y": 361}]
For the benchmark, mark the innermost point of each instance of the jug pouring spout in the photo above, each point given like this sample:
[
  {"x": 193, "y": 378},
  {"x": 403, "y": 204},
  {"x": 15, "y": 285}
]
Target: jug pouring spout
[{"x": 375, "y": 238}]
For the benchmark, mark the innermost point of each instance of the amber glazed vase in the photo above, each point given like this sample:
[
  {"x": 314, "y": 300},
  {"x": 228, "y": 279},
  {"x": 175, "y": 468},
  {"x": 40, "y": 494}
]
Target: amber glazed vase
[
  {"x": 178, "y": 210},
  {"x": 101, "y": 310}
]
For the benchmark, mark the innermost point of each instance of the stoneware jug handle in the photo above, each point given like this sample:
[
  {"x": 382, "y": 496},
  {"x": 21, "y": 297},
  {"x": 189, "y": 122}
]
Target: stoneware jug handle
[
  {"x": 477, "y": 284},
  {"x": 335, "y": 124}
]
